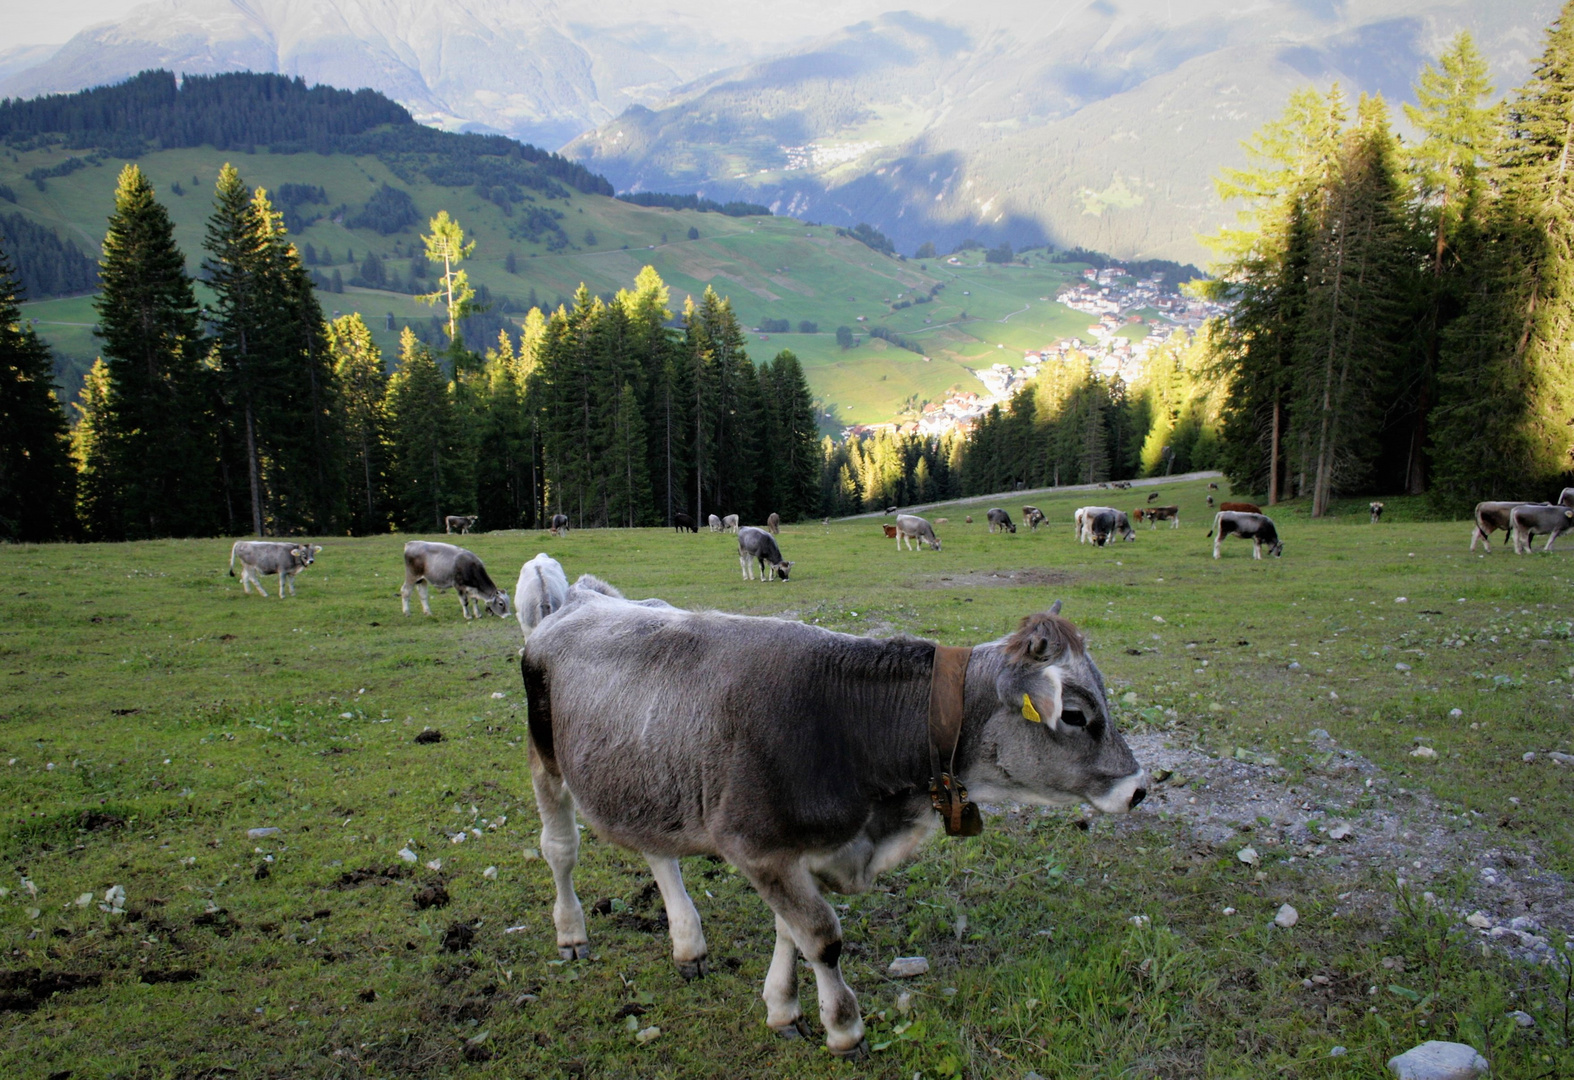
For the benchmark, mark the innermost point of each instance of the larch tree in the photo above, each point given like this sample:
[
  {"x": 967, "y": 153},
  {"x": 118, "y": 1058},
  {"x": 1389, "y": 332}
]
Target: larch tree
[
  {"x": 37, "y": 481},
  {"x": 155, "y": 449},
  {"x": 446, "y": 244}
]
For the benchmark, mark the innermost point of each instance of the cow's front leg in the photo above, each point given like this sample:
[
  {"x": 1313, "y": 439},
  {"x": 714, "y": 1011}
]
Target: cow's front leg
[
  {"x": 1216, "y": 540},
  {"x": 683, "y": 921},
  {"x": 560, "y": 848},
  {"x": 743, "y": 562},
  {"x": 782, "y": 1011},
  {"x": 789, "y": 889},
  {"x": 1256, "y": 549}
]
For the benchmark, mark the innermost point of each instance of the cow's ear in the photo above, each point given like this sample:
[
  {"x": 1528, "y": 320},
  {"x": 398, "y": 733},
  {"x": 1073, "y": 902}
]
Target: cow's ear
[
  {"x": 1037, "y": 697},
  {"x": 316, "y": 547}
]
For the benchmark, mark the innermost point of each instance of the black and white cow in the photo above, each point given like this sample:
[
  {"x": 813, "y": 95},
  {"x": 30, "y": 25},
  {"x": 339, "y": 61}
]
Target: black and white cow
[
  {"x": 1377, "y": 512},
  {"x": 464, "y": 523},
  {"x": 1490, "y": 517},
  {"x": 259, "y": 558},
  {"x": 809, "y": 772},
  {"x": 444, "y": 566},
  {"x": 1104, "y": 522},
  {"x": 1534, "y": 520},
  {"x": 1000, "y": 520},
  {"x": 1032, "y": 517},
  {"x": 1258, "y": 528},
  {"x": 915, "y": 532},
  {"x": 757, "y": 545},
  {"x": 730, "y": 523},
  {"x": 559, "y": 525},
  {"x": 681, "y": 522},
  {"x": 542, "y": 589}
]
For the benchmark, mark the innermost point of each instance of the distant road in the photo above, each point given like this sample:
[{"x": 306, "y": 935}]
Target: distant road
[{"x": 1033, "y": 493}]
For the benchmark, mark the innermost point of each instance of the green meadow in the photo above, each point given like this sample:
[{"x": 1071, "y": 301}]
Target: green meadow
[
  {"x": 150, "y": 715},
  {"x": 771, "y": 268}
]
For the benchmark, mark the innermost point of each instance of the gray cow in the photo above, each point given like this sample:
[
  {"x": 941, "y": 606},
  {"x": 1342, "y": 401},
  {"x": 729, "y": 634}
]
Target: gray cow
[
  {"x": 1032, "y": 517},
  {"x": 558, "y": 525},
  {"x": 259, "y": 558},
  {"x": 715, "y": 523},
  {"x": 444, "y": 566},
  {"x": 1258, "y": 528},
  {"x": 464, "y": 523},
  {"x": 1102, "y": 523},
  {"x": 916, "y": 532},
  {"x": 730, "y": 523},
  {"x": 1490, "y": 517},
  {"x": 809, "y": 772},
  {"x": 999, "y": 519},
  {"x": 542, "y": 589},
  {"x": 1530, "y": 521},
  {"x": 774, "y": 523},
  {"x": 757, "y": 545}
]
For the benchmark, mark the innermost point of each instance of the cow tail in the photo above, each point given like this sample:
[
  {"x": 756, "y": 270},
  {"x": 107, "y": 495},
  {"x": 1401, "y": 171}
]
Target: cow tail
[
  {"x": 538, "y": 705},
  {"x": 232, "y": 561}
]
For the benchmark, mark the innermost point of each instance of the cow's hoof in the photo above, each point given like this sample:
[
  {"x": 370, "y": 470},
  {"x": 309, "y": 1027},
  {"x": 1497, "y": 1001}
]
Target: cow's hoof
[
  {"x": 857, "y": 1053},
  {"x": 575, "y": 952},
  {"x": 798, "y": 1029},
  {"x": 693, "y": 969}
]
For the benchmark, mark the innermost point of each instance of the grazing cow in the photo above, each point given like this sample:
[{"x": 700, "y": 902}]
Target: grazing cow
[
  {"x": 1152, "y": 496},
  {"x": 1491, "y": 516},
  {"x": 1103, "y": 522},
  {"x": 1210, "y": 501},
  {"x": 683, "y": 521},
  {"x": 1121, "y": 484},
  {"x": 773, "y": 524},
  {"x": 1212, "y": 486},
  {"x": 1033, "y": 517},
  {"x": 1377, "y": 512},
  {"x": 1257, "y": 528},
  {"x": 1156, "y": 514},
  {"x": 1079, "y": 521},
  {"x": 916, "y": 532},
  {"x": 817, "y": 770},
  {"x": 259, "y": 558},
  {"x": 1530, "y": 521},
  {"x": 890, "y": 531},
  {"x": 444, "y": 566},
  {"x": 892, "y": 509},
  {"x": 559, "y": 525},
  {"x": 715, "y": 523},
  {"x": 730, "y": 523},
  {"x": 1240, "y": 507},
  {"x": 1567, "y": 498},
  {"x": 999, "y": 519},
  {"x": 757, "y": 545},
  {"x": 463, "y": 523},
  {"x": 541, "y": 590},
  {"x": 968, "y": 520}
]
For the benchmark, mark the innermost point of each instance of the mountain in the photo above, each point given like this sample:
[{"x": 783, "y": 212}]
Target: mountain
[{"x": 1097, "y": 124}]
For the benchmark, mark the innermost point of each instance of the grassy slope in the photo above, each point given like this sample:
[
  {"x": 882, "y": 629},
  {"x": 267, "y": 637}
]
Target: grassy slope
[
  {"x": 159, "y": 694},
  {"x": 770, "y": 267}
]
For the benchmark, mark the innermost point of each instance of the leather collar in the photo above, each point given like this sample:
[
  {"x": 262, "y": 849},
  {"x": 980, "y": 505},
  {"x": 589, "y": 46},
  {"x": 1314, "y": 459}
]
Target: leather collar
[{"x": 946, "y": 704}]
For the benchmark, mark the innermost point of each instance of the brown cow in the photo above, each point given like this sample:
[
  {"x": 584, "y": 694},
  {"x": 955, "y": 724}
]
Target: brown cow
[
  {"x": 1239, "y": 508},
  {"x": 890, "y": 531}
]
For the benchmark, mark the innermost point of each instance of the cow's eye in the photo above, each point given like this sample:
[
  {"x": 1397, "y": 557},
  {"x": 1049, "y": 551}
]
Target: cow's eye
[{"x": 1073, "y": 717}]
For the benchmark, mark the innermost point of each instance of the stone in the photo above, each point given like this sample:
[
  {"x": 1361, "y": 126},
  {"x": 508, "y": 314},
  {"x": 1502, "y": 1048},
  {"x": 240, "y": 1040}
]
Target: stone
[
  {"x": 1138, "y": 920},
  {"x": 908, "y": 967},
  {"x": 1247, "y": 855},
  {"x": 1480, "y": 920},
  {"x": 1456, "y": 713},
  {"x": 647, "y": 1035},
  {"x": 1287, "y": 917},
  {"x": 1522, "y": 1018},
  {"x": 1561, "y": 758},
  {"x": 407, "y": 855},
  {"x": 1528, "y": 755},
  {"x": 1435, "y": 1060},
  {"x": 1294, "y": 665},
  {"x": 1340, "y": 831},
  {"x": 1423, "y": 752},
  {"x": 1401, "y": 667},
  {"x": 1337, "y": 1051}
]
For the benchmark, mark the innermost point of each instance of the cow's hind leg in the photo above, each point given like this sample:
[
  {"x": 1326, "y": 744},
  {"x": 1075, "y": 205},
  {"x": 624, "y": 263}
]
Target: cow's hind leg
[
  {"x": 560, "y": 848},
  {"x": 683, "y": 921},
  {"x": 786, "y": 885},
  {"x": 782, "y": 1011},
  {"x": 422, "y": 591}
]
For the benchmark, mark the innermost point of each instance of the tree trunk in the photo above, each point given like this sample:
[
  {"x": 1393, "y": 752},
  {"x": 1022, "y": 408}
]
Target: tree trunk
[
  {"x": 254, "y": 472},
  {"x": 1273, "y": 454}
]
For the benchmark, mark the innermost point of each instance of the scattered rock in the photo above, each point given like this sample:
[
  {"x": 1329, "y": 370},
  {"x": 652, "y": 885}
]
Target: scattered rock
[
  {"x": 1287, "y": 916},
  {"x": 1561, "y": 758},
  {"x": 430, "y": 735},
  {"x": 1479, "y": 920},
  {"x": 1438, "y": 1061},
  {"x": 1294, "y": 665},
  {"x": 408, "y": 856},
  {"x": 1522, "y": 1018},
  {"x": 1529, "y": 755},
  {"x": 1423, "y": 752},
  {"x": 907, "y": 967},
  {"x": 1401, "y": 667},
  {"x": 1139, "y": 920},
  {"x": 1247, "y": 855},
  {"x": 1337, "y": 1051},
  {"x": 1228, "y": 911},
  {"x": 1340, "y": 831},
  {"x": 647, "y": 1034},
  {"x": 1456, "y": 713},
  {"x": 258, "y": 834},
  {"x": 490, "y": 873}
]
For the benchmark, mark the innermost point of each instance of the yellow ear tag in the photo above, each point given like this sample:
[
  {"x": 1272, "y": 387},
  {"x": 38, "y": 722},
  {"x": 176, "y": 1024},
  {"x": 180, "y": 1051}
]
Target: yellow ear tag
[{"x": 1028, "y": 712}]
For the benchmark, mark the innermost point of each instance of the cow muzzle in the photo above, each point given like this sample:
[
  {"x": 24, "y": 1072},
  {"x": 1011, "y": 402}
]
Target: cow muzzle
[{"x": 1123, "y": 795}]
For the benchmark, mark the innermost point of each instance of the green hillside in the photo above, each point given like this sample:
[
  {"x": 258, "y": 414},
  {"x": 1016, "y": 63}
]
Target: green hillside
[{"x": 772, "y": 268}]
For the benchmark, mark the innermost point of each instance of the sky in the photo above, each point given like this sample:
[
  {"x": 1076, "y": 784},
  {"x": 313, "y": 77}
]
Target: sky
[{"x": 29, "y": 22}]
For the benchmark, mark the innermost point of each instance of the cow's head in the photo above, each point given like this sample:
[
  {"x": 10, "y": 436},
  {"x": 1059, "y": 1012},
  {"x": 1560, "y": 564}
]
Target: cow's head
[
  {"x": 935, "y": 543},
  {"x": 1276, "y": 549},
  {"x": 782, "y": 568},
  {"x": 305, "y": 554},
  {"x": 497, "y": 603},
  {"x": 1050, "y": 738}
]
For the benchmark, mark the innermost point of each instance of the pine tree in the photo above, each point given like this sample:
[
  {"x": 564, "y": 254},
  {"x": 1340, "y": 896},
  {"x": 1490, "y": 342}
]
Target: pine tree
[
  {"x": 795, "y": 456},
  {"x": 503, "y": 464},
  {"x": 1502, "y": 427},
  {"x": 363, "y": 388},
  {"x": 426, "y": 468},
  {"x": 37, "y": 482},
  {"x": 154, "y": 453}
]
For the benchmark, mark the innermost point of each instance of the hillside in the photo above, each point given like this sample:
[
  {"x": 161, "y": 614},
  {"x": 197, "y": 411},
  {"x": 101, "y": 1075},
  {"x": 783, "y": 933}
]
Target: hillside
[{"x": 772, "y": 268}]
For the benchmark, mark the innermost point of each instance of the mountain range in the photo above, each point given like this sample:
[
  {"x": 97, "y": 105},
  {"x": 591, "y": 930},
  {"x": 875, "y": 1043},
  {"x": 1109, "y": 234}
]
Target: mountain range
[{"x": 1076, "y": 122}]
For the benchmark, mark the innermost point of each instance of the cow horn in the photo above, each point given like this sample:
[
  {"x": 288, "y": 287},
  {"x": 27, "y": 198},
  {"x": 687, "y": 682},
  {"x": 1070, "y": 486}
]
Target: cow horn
[{"x": 1054, "y": 609}]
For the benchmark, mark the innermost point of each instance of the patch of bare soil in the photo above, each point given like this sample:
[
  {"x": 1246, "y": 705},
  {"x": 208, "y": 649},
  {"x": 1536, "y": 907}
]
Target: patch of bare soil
[
  {"x": 1345, "y": 818},
  {"x": 1030, "y": 576}
]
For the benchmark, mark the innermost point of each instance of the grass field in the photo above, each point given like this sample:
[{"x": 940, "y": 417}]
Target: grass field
[
  {"x": 150, "y": 715},
  {"x": 775, "y": 268}
]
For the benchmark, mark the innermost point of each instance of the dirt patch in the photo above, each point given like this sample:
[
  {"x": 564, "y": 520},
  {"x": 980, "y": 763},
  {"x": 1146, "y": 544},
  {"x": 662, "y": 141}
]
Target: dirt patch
[
  {"x": 94, "y": 820},
  {"x": 1345, "y": 818},
  {"x": 457, "y": 938},
  {"x": 370, "y": 875},
  {"x": 176, "y": 975},
  {"x": 26, "y": 989},
  {"x": 1030, "y": 576},
  {"x": 430, "y": 735},
  {"x": 430, "y": 897}
]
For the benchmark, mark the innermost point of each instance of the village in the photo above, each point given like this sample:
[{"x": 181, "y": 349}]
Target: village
[{"x": 1132, "y": 317}]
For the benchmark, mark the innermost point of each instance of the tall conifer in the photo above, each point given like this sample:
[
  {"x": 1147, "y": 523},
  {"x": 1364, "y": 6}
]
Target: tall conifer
[{"x": 37, "y": 482}]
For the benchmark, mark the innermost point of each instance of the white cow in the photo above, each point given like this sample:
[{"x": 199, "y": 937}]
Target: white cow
[
  {"x": 730, "y": 523},
  {"x": 541, "y": 590},
  {"x": 1531, "y": 520},
  {"x": 444, "y": 566},
  {"x": 916, "y": 532},
  {"x": 259, "y": 558}
]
